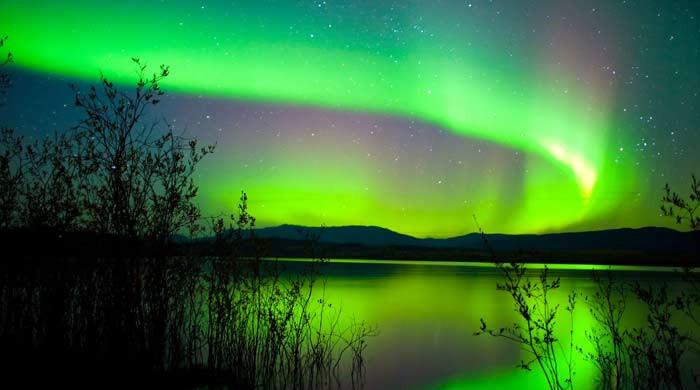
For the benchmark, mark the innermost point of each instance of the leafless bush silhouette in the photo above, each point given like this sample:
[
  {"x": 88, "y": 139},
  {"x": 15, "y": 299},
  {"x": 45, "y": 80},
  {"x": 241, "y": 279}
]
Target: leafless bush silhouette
[
  {"x": 681, "y": 209},
  {"x": 274, "y": 332},
  {"x": 535, "y": 331},
  {"x": 684, "y": 210},
  {"x": 4, "y": 77},
  {"x": 139, "y": 179},
  {"x": 607, "y": 337},
  {"x": 134, "y": 301},
  {"x": 650, "y": 355}
]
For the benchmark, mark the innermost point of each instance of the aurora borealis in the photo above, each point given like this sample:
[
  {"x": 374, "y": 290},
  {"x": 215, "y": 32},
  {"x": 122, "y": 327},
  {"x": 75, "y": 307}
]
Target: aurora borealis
[{"x": 533, "y": 116}]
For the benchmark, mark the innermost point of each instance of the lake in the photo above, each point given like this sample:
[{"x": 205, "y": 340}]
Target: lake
[{"x": 427, "y": 312}]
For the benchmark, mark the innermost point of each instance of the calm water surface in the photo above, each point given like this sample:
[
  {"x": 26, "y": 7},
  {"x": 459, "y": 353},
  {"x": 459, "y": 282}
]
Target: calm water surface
[{"x": 427, "y": 313}]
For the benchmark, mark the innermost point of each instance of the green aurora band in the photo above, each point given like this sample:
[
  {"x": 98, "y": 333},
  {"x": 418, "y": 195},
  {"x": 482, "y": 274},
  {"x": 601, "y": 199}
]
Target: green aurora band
[{"x": 543, "y": 109}]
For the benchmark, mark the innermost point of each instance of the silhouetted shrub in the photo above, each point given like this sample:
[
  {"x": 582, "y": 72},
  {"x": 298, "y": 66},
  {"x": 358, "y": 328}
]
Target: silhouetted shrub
[
  {"x": 685, "y": 210},
  {"x": 4, "y": 77},
  {"x": 607, "y": 337},
  {"x": 535, "y": 330},
  {"x": 681, "y": 209},
  {"x": 132, "y": 307}
]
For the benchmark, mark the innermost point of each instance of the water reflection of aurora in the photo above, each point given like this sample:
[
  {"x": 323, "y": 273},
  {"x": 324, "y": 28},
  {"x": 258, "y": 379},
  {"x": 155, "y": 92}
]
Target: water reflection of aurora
[{"x": 427, "y": 312}]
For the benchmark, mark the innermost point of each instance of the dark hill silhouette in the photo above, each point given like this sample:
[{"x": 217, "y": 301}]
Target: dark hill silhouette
[
  {"x": 647, "y": 238},
  {"x": 650, "y": 245},
  {"x": 364, "y": 235}
]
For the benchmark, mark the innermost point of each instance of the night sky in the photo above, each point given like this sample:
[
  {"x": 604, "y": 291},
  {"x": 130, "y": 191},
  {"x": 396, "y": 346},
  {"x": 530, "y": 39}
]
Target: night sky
[{"x": 535, "y": 116}]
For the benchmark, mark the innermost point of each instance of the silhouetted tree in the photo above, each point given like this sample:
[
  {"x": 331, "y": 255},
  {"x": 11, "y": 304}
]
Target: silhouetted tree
[
  {"x": 116, "y": 172},
  {"x": 535, "y": 330},
  {"x": 135, "y": 179},
  {"x": 224, "y": 317},
  {"x": 272, "y": 332},
  {"x": 607, "y": 337},
  {"x": 685, "y": 210},
  {"x": 38, "y": 183},
  {"x": 681, "y": 209},
  {"x": 11, "y": 154},
  {"x": 4, "y": 77},
  {"x": 11, "y": 149}
]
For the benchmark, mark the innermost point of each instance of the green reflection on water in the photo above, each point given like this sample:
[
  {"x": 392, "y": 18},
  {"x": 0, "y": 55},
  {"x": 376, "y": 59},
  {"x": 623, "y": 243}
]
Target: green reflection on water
[{"x": 427, "y": 312}]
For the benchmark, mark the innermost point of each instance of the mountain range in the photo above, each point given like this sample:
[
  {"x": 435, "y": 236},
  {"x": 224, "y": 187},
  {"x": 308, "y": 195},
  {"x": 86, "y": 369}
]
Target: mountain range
[{"x": 648, "y": 244}]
